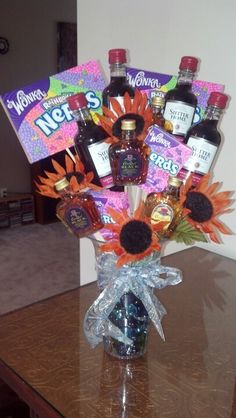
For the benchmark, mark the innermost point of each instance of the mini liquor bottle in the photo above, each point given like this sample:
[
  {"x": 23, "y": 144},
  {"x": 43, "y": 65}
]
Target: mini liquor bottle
[
  {"x": 165, "y": 207},
  {"x": 157, "y": 105},
  {"x": 90, "y": 142},
  {"x": 77, "y": 211},
  {"x": 204, "y": 139},
  {"x": 129, "y": 157},
  {"x": 118, "y": 82},
  {"x": 181, "y": 102}
]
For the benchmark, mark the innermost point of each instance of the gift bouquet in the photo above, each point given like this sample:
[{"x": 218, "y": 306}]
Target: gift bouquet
[{"x": 139, "y": 175}]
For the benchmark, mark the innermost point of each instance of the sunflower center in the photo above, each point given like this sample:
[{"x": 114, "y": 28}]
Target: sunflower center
[
  {"x": 200, "y": 206},
  {"x": 79, "y": 176},
  {"x": 135, "y": 237}
]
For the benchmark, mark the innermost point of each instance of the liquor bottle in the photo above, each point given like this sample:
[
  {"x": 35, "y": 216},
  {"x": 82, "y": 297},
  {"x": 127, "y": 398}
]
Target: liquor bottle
[
  {"x": 180, "y": 102},
  {"x": 157, "y": 105},
  {"x": 204, "y": 139},
  {"x": 164, "y": 207},
  {"x": 77, "y": 211},
  {"x": 90, "y": 142},
  {"x": 129, "y": 156},
  {"x": 118, "y": 82}
]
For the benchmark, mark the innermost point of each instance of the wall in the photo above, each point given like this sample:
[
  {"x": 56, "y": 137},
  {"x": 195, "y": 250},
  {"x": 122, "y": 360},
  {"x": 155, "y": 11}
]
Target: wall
[
  {"x": 157, "y": 34},
  {"x": 30, "y": 27}
]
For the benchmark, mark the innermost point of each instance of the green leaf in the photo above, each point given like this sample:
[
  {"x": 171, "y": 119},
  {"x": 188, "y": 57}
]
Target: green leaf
[{"x": 187, "y": 234}]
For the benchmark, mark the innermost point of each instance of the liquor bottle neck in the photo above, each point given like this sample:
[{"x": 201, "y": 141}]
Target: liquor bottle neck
[
  {"x": 172, "y": 191},
  {"x": 83, "y": 117},
  {"x": 65, "y": 194},
  {"x": 185, "y": 77},
  {"x": 213, "y": 113},
  {"x": 118, "y": 70},
  {"x": 128, "y": 135}
]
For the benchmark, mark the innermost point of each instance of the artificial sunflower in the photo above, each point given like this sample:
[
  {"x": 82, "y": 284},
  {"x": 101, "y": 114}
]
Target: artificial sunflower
[
  {"x": 133, "y": 238},
  {"x": 73, "y": 171},
  {"x": 137, "y": 109},
  {"x": 203, "y": 206}
]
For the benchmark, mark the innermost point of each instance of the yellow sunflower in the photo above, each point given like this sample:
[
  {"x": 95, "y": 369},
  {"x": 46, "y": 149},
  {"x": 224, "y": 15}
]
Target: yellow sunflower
[
  {"x": 133, "y": 238},
  {"x": 74, "y": 172},
  {"x": 136, "y": 108},
  {"x": 203, "y": 205}
]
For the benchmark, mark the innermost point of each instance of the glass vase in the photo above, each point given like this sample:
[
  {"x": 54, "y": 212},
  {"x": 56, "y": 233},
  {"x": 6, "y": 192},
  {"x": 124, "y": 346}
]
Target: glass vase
[{"x": 122, "y": 313}]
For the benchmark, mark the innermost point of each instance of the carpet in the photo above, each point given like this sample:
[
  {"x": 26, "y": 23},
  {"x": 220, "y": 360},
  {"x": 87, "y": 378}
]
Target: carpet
[{"x": 36, "y": 262}]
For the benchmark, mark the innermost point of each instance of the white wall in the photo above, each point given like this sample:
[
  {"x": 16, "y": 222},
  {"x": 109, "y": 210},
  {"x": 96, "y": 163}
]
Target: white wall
[
  {"x": 31, "y": 29},
  {"x": 157, "y": 33}
]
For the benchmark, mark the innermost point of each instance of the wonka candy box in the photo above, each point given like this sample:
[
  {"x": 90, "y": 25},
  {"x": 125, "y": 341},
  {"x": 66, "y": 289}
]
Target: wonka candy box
[
  {"x": 151, "y": 83},
  {"x": 40, "y": 114},
  {"x": 105, "y": 199},
  {"x": 166, "y": 158}
]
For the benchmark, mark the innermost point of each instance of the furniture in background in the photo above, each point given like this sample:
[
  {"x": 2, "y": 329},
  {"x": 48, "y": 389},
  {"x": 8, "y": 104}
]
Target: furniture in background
[
  {"x": 46, "y": 360},
  {"x": 16, "y": 209}
]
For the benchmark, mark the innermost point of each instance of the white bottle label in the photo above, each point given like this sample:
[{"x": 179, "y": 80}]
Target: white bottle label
[
  {"x": 180, "y": 115},
  {"x": 99, "y": 155},
  {"x": 203, "y": 153}
]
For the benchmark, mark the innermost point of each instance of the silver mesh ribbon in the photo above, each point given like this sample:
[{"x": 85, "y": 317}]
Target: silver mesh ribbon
[{"x": 140, "y": 278}]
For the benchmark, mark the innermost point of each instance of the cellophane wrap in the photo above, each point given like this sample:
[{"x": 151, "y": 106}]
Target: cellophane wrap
[{"x": 140, "y": 278}]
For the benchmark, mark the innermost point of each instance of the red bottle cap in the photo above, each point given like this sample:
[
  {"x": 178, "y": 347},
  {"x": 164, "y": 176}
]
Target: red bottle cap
[
  {"x": 117, "y": 56},
  {"x": 77, "y": 101},
  {"x": 217, "y": 99},
  {"x": 188, "y": 63}
]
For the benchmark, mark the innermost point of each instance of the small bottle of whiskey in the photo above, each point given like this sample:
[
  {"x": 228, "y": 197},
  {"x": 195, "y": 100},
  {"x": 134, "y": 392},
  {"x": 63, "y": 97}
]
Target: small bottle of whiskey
[
  {"x": 164, "y": 207},
  {"x": 118, "y": 82},
  {"x": 77, "y": 211},
  {"x": 157, "y": 105},
  {"x": 181, "y": 102},
  {"x": 129, "y": 157}
]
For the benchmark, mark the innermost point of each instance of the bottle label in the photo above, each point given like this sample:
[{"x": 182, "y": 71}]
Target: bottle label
[
  {"x": 77, "y": 219},
  {"x": 100, "y": 157},
  {"x": 203, "y": 154},
  {"x": 180, "y": 115},
  {"x": 162, "y": 213},
  {"x": 130, "y": 164}
]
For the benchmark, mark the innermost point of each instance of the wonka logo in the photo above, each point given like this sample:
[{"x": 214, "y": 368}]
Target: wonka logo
[
  {"x": 154, "y": 138},
  {"x": 23, "y": 100},
  {"x": 141, "y": 81}
]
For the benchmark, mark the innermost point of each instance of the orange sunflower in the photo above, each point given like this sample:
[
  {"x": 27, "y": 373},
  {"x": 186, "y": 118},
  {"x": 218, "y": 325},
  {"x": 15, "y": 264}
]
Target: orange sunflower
[
  {"x": 136, "y": 108},
  {"x": 203, "y": 205},
  {"x": 74, "y": 172},
  {"x": 133, "y": 238}
]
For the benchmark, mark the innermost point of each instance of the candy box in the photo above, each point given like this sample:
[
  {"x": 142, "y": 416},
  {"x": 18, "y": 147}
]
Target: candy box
[
  {"x": 166, "y": 158},
  {"x": 153, "y": 83},
  {"x": 105, "y": 199},
  {"x": 40, "y": 113}
]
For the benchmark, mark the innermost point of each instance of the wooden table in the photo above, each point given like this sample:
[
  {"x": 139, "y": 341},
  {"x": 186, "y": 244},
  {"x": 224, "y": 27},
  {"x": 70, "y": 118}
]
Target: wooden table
[{"x": 47, "y": 361}]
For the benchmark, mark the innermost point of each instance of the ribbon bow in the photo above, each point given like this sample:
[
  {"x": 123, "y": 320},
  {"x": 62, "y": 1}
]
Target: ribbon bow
[{"x": 139, "y": 278}]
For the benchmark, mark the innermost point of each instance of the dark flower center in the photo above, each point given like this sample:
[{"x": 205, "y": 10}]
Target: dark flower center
[
  {"x": 116, "y": 128},
  {"x": 135, "y": 237},
  {"x": 79, "y": 176},
  {"x": 200, "y": 206}
]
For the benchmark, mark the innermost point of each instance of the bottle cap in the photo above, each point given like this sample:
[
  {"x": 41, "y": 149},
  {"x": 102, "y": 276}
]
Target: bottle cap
[
  {"x": 128, "y": 124},
  {"x": 77, "y": 101},
  {"x": 117, "y": 56},
  {"x": 188, "y": 63},
  {"x": 61, "y": 184},
  {"x": 217, "y": 99},
  {"x": 174, "y": 181},
  {"x": 158, "y": 101}
]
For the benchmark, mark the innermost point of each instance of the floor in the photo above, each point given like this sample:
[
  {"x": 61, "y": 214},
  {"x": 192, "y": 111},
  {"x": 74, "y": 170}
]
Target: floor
[{"x": 37, "y": 261}]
